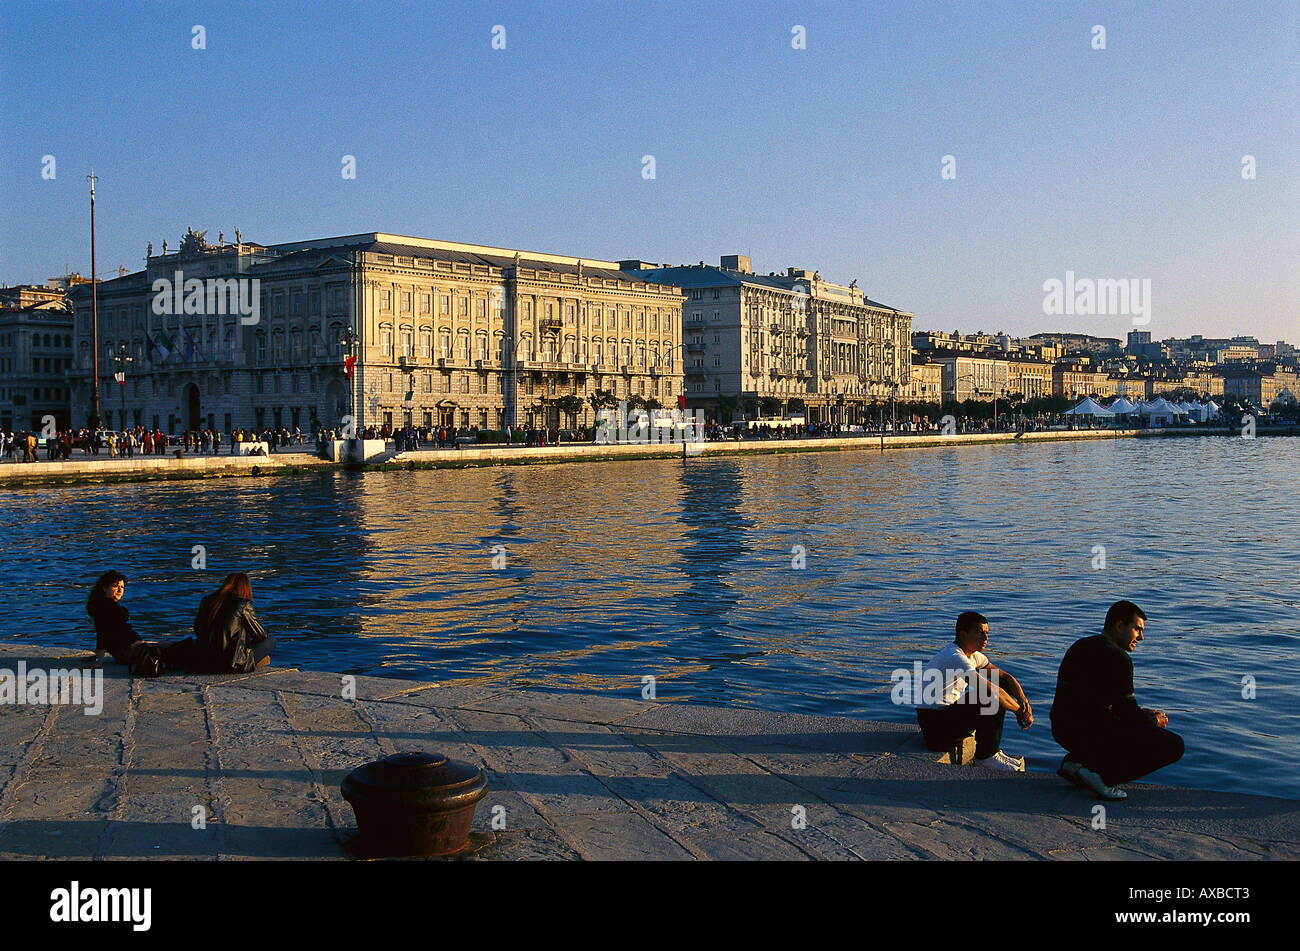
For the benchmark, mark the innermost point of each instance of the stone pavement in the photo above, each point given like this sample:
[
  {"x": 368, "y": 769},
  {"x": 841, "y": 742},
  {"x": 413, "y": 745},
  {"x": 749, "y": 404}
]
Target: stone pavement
[{"x": 576, "y": 776}]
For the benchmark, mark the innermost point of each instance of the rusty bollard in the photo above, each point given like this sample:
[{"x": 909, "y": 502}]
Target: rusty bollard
[{"x": 414, "y": 804}]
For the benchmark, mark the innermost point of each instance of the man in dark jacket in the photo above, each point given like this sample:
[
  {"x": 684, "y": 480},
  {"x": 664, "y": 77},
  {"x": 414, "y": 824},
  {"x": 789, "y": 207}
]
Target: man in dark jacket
[{"x": 1108, "y": 738}]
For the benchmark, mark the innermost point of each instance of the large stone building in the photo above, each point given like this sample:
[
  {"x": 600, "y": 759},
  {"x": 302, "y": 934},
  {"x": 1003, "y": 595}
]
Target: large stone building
[
  {"x": 441, "y": 333},
  {"x": 35, "y": 354},
  {"x": 793, "y": 341},
  {"x": 1261, "y": 385}
]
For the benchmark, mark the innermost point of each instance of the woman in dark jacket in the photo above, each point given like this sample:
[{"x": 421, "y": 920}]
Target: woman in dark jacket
[
  {"x": 228, "y": 638},
  {"x": 113, "y": 632}
]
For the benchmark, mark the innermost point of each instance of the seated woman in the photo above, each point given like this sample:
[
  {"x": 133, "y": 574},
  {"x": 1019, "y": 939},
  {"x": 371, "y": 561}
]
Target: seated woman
[
  {"x": 228, "y": 638},
  {"x": 113, "y": 632}
]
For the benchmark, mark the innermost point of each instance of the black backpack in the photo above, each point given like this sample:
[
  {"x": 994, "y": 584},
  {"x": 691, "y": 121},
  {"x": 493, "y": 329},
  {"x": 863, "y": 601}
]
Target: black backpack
[{"x": 146, "y": 661}]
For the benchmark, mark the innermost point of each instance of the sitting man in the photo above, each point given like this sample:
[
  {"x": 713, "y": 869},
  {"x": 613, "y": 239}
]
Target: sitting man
[
  {"x": 1108, "y": 738},
  {"x": 975, "y": 697}
]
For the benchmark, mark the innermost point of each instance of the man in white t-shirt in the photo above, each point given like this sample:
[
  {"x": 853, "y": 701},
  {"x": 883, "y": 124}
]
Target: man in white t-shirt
[{"x": 963, "y": 693}]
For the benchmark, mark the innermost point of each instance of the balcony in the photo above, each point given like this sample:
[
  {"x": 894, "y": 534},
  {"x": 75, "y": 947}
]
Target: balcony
[
  {"x": 551, "y": 324},
  {"x": 801, "y": 331},
  {"x": 776, "y": 328},
  {"x": 695, "y": 347}
]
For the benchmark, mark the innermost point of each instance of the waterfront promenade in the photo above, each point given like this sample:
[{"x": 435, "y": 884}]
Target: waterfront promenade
[
  {"x": 572, "y": 776},
  {"x": 149, "y": 468}
]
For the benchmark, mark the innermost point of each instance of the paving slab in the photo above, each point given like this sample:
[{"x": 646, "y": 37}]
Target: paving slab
[{"x": 249, "y": 766}]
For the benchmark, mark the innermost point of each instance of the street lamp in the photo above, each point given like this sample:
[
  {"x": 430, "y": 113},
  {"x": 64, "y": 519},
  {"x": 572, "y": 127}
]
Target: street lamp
[{"x": 122, "y": 358}]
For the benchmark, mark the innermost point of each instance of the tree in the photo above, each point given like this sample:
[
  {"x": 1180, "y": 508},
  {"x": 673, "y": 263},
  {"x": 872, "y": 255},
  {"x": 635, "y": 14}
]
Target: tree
[
  {"x": 770, "y": 405},
  {"x": 602, "y": 399},
  {"x": 569, "y": 405}
]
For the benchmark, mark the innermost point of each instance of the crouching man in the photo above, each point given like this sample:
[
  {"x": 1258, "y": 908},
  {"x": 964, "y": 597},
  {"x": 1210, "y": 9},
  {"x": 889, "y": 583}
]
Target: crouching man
[
  {"x": 975, "y": 697},
  {"x": 1108, "y": 738}
]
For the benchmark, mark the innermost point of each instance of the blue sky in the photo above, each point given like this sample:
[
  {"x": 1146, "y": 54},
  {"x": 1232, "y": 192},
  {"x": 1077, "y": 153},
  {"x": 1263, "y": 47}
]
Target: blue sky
[{"x": 1116, "y": 163}]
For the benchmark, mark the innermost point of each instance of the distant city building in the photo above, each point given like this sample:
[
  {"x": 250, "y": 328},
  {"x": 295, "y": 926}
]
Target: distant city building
[
  {"x": 35, "y": 353},
  {"x": 794, "y": 340},
  {"x": 442, "y": 333},
  {"x": 1262, "y": 386},
  {"x": 1072, "y": 343},
  {"x": 1077, "y": 380},
  {"x": 927, "y": 381}
]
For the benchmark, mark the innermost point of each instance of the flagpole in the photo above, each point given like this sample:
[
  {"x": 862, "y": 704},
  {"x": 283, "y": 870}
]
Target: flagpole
[{"x": 94, "y": 312}]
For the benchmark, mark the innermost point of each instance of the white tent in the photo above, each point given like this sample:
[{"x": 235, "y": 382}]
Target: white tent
[
  {"x": 1089, "y": 407},
  {"x": 1122, "y": 407},
  {"x": 1158, "y": 412}
]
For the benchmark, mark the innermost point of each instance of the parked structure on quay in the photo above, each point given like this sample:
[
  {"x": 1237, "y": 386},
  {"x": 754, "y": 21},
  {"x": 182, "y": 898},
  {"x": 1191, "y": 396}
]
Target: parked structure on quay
[
  {"x": 389, "y": 329},
  {"x": 777, "y": 344}
]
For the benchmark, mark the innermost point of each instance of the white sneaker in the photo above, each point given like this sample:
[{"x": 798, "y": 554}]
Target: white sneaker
[
  {"x": 1094, "y": 782},
  {"x": 1001, "y": 760}
]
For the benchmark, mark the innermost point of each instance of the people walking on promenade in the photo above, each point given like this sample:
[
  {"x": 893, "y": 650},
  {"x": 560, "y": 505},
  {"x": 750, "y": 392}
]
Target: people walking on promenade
[
  {"x": 1107, "y": 737},
  {"x": 228, "y": 638},
  {"x": 973, "y": 696}
]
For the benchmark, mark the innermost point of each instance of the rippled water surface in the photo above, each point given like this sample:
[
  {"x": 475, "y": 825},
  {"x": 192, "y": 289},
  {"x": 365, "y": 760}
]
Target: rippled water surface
[{"x": 683, "y": 571}]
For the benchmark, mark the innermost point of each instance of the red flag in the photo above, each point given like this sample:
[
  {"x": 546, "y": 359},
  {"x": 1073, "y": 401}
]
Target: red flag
[
  {"x": 348, "y": 363},
  {"x": 681, "y": 401}
]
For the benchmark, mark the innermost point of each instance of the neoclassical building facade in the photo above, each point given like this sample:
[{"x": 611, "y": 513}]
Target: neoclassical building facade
[
  {"x": 786, "y": 338},
  {"x": 387, "y": 329}
]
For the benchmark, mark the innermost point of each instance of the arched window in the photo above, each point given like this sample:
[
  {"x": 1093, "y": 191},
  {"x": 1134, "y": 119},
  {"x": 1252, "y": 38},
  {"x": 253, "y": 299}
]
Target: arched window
[
  {"x": 462, "y": 345},
  {"x": 386, "y": 339},
  {"x": 480, "y": 345},
  {"x": 295, "y": 343},
  {"x": 408, "y": 342},
  {"x": 426, "y": 344}
]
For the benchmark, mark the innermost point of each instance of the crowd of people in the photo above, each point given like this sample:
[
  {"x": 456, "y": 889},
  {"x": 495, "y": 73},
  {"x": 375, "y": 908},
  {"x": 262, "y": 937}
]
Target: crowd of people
[{"x": 26, "y": 446}]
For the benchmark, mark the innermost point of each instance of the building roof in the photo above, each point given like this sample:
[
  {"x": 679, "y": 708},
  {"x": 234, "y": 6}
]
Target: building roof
[
  {"x": 462, "y": 254},
  {"x": 708, "y": 275}
]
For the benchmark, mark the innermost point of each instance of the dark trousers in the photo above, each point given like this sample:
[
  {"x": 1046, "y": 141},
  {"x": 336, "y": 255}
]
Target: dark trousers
[
  {"x": 264, "y": 649},
  {"x": 945, "y": 729},
  {"x": 1120, "y": 754}
]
